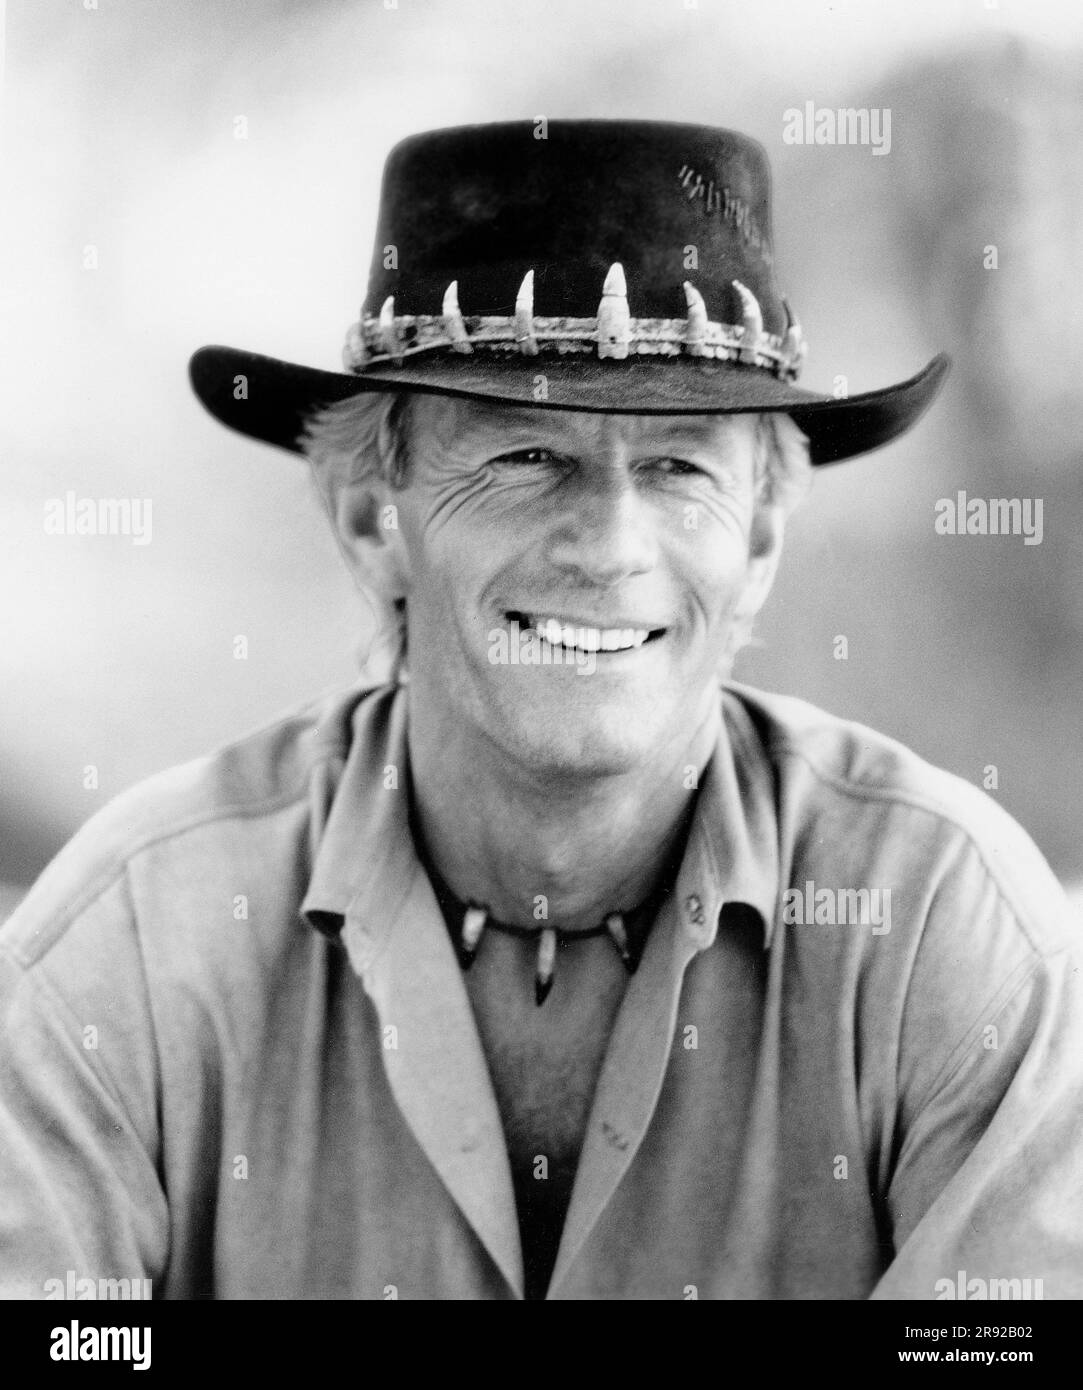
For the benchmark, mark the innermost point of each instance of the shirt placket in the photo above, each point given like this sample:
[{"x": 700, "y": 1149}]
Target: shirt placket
[
  {"x": 637, "y": 1059},
  {"x": 437, "y": 1070}
]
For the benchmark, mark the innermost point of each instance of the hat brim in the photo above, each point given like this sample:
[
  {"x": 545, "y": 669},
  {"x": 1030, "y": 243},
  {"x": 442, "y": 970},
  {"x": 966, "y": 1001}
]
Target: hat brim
[{"x": 275, "y": 398}]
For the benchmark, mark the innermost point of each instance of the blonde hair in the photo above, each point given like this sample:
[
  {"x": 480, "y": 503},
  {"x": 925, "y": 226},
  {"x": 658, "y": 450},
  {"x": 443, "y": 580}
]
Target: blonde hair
[{"x": 370, "y": 435}]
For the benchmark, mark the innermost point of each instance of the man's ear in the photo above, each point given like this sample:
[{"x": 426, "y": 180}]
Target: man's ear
[
  {"x": 764, "y": 552},
  {"x": 366, "y": 522}
]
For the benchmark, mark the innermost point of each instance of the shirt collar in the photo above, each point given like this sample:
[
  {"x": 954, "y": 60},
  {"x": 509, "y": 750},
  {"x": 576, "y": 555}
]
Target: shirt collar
[
  {"x": 365, "y": 861},
  {"x": 732, "y": 855}
]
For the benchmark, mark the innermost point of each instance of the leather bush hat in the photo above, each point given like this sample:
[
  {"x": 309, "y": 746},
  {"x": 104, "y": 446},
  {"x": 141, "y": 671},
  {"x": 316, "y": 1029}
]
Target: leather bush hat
[{"x": 618, "y": 266}]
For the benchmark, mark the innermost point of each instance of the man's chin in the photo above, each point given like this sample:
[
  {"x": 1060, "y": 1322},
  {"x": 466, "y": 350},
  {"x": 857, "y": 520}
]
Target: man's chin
[{"x": 590, "y": 740}]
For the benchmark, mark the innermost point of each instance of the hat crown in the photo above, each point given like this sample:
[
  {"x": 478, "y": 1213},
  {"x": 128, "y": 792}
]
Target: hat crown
[
  {"x": 484, "y": 205},
  {"x": 619, "y": 266}
]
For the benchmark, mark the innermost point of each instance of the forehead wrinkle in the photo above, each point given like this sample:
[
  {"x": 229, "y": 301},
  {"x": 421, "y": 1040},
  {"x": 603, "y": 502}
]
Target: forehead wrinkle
[{"x": 467, "y": 418}]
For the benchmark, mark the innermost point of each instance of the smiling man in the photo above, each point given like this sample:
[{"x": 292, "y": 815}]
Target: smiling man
[
  {"x": 556, "y": 964},
  {"x": 568, "y": 528}
]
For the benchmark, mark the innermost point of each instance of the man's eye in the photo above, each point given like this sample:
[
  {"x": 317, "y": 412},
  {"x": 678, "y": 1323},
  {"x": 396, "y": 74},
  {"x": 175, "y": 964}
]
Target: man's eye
[
  {"x": 673, "y": 467},
  {"x": 525, "y": 456}
]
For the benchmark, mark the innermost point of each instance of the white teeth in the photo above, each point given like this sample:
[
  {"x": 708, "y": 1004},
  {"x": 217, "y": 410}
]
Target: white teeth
[{"x": 588, "y": 639}]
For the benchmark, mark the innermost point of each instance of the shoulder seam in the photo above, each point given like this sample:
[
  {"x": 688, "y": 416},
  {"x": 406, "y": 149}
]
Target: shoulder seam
[
  {"x": 902, "y": 797},
  {"x": 994, "y": 1009},
  {"x": 118, "y": 866},
  {"x": 56, "y": 1002}
]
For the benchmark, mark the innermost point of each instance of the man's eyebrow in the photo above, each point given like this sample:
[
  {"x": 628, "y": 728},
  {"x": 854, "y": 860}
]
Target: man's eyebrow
[
  {"x": 690, "y": 430},
  {"x": 702, "y": 426},
  {"x": 513, "y": 419},
  {"x": 696, "y": 439},
  {"x": 506, "y": 434}
]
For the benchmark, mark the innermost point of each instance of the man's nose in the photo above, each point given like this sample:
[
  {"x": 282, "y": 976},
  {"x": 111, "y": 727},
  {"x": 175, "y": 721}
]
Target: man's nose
[{"x": 607, "y": 528}]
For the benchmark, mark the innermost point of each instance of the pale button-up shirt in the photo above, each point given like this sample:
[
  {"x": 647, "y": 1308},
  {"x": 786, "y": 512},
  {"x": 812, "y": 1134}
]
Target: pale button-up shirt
[{"x": 238, "y": 1058}]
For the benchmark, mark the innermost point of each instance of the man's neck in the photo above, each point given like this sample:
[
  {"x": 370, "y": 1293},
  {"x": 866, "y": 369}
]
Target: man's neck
[{"x": 588, "y": 847}]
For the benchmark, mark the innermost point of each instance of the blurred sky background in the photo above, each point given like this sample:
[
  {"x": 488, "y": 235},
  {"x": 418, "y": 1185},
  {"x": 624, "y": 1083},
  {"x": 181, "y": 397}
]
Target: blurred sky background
[{"x": 118, "y": 132}]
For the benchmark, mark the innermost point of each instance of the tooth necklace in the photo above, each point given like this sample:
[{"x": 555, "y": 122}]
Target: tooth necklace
[{"x": 467, "y": 923}]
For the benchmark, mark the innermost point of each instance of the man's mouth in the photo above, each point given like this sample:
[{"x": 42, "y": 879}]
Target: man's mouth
[{"x": 584, "y": 637}]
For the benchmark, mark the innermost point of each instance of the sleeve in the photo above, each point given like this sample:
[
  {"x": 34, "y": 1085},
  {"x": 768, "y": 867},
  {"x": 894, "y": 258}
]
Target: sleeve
[
  {"x": 986, "y": 1192},
  {"x": 80, "y": 1193}
]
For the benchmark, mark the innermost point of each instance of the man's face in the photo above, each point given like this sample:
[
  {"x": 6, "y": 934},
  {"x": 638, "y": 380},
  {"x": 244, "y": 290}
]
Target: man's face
[{"x": 632, "y": 535}]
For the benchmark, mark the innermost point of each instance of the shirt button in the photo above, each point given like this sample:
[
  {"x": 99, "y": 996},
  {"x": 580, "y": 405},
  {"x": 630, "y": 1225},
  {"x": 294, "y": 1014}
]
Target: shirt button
[{"x": 699, "y": 929}]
